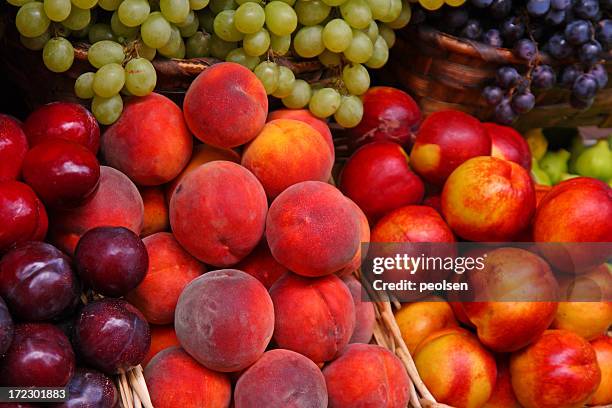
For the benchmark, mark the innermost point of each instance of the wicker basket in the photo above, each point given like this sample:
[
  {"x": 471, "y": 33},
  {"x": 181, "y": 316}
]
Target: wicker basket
[{"x": 446, "y": 72}]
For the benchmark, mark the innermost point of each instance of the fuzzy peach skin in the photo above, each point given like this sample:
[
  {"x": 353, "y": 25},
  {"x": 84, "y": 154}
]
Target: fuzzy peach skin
[
  {"x": 304, "y": 115},
  {"x": 155, "y": 211},
  {"x": 603, "y": 350},
  {"x": 364, "y": 239},
  {"x": 508, "y": 144},
  {"x": 218, "y": 213},
  {"x": 313, "y": 229},
  {"x": 150, "y": 142},
  {"x": 503, "y": 394},
  {"x": 162, "y": 337},
  {"x": 313, "y": 316},
  {"x": 559, "y": 370},
  {"x": 367, "y": 375},
  {"x": 445, "y": 140},
  {"x": 226, "y": 105},
  {"x": 202, "y": 154},
  {"x": 261, "y": 264},
  {"x": 378, "y": 178},
  {"x": 365, "y": 316},
  {"x": 171, "y": 268},
  {"x": 175, "y": 380},
  {"x": 116, "y": 203},
  {"x": 281, "y": 379},
  {"x": 488, "y": 199},
  {"x": 418, "y": 320},
  {"x": 456, "y": 368},
  {"x": 287, "y": 152}
]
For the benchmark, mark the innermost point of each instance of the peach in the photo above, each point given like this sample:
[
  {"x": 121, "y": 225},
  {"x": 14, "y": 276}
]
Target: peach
[
  {"x": 603, "y": 351},
  {"x": 445, "y": 140},
  {"x": 218, "y": 213},
  {"x": 304, "y": 115},
  {"x": 171, "y": 268},
  {"x": 365, "y": 316},
  {"x": 225, "y": 319},
  {"x": 155, "y": 211},
  {"x": 261, "y": 264},
  {"x": 280, "y": 379},
  {"x": 175, "y": 379},
  {"x": 456, "y": 368},
  {"x": 162, "y": 337},
  {"x": 13, "y": 147},
  {"x": 313, "y": 229},
  {"x": 201, "y": 154},
  {"x": 116, "y": 203},
  {"x": 226, "y": 105},
  {"x": 488, "y": 199},
  {"x": 418, "y": 320},
  {"x": 559, "y": 370},
  {"x": 503, "y": 394},
  {"x": 367, "y": 375},
  {"x": 314, "y": 317},
  {"x": 287, "y": 152},
  {"x": 378, "y": 178},
  {"x": 515, "y": 295},
  {"x": 364, "y": 238},
  {"x": 508, "y": 144}
]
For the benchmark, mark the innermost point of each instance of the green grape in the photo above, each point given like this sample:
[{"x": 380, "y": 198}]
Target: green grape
[
  {"x": 133, "y": 13},
  {"x": 280, "y": 44},
  {"x": 144, "y": 51},
  {"x": 175, "y": 11},
  {"x": 172, "y": 48},
  {"x": 324, "y": 102},
  {"x": 268, "y": 73},
  {"x": 140, "y": 76},
  {"x": 403, "y": 19},
  {"x": 156, "y": 30},
  {"x": 85, "y": 4},
  {"x": 350, "y": 112},
  {"x": 379, "y": 8},
  {"x": 357, "y": 13},
  {"x": 99, "y": 32},
  {"x": 58, "y": 54},
  {"x": 334, "y": 3},
  {"x": 180, "y": 54},
  {"x": 109, "y": 80},
  {"x": 330, "y": 59},
  {"x": 256, "y": 44},
  {"x": 240, "y": 57},
  {"x": 311, "y": 12},
  {"x": 241, "y": 2},
  {"x": 300, "y": 95},
  {"x": 206, "y": 21},
  {"x": 387, "y": 33},
  {"x": 82, "y": 33},
  {"x": 219, "y": 48},
  {"x": 361, "y": 48},
  {"x": 198, "y": 4},
  {"x": 308, "y": 41},
  {"x": 78, "y": 18},
  {"x": 337, "y": 35},
  {"x": 31, "y": 20},
  {"x": 249, "y": 18},
  {"x": 380, "y": 55},
  {"x": 83, "y": 86},
  {"x": 286, "y": 80},
  {"x": 109, "y": 5},
  {"x": 372, "y": 31},
  {"x": 225, "y": 28},
  {"x": 107, "y": 110},
  {"x": 289, "y": 2},
  {"x": 121, "y": 30},
  {"x": 394, "y": 11},
  {"x": 57, "y": 10},
  {"x": 35, "y": 43},
  {"x": 190, "y": 26},
  {"x": 356, "y": 79},
  {"x": 19, "y": 3},
  {"x": 198, "y": 45},
  {"x": 105, "y": 52},
  {"x": 217, "y": 6},
  {"x": 280, "y": 18}
]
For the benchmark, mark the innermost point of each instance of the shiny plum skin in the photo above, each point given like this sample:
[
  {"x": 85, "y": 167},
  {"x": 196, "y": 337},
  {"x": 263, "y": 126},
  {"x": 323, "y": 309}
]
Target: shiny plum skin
[
  {"x": 112, "y": 335},
  {"x": 37, "y": 282},
  {"x": 111, "y": 260},
  {"x": 13, "y": 147},
  {"x": 6, "y": 328},
  {"x": 90, "y": 389},
  {"x": 40, "y": 356}
]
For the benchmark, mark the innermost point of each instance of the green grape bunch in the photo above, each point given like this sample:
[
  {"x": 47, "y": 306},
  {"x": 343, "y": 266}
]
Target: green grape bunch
[{"x": 347, "y": 37}]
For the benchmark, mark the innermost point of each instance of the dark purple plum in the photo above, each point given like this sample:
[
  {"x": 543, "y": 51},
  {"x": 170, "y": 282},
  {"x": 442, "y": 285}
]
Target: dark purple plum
[
  {"x": 17, "y": 405},
  {"x": 112, "y": 335},
  {"x": 6, "y": 328},
  {"x": 40, "y": 356},
  {"x": 90, "y": 389},
  {"x": 37, "y": 282},
  {"x": 111, "y": 260}
]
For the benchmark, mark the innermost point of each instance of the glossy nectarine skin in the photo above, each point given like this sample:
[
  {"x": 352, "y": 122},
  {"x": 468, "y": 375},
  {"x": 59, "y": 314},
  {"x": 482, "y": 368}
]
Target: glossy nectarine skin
[
  {"x": 503, "y": 394},
  {"x": 508, "y": 144},
  {"x": 13, "y": 147},
  {"x": 304, "y": 115},
  {"x": 603, "y": 350}
]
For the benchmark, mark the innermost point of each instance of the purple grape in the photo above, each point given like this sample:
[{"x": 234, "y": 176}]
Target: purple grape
[
  {"x": 600, "y": 74},
  {"x": 604, "y": 33},
  {"x": 585, "y": 87},
  {"x": 587, "y": 9},
  {"x": 493, "y": 95},
  {"x": 456, "y": 18},
  {"x": 558, "y": 47},
  {"x": 579, "y": 103},
  {"x": 504, "y": 113},
  {"x": 481, "y": 3},
  {"x": 500, "y": 8},
  {"x": 555, "y": 17},
  {"x": 543, "y": 77},
  {"x": 472, "y": 30},
  {"x": 560, "y": 4},
  {"x": 512, "y": 29},
  {"x": 523, "y": 102},
  {"x": 493, "y": 38},
  {"x": 538, "y": 8},
  {"x": 578, "y": 32},
  {"x": 589, "y": 52},
  {"x": 526, "y": 49},
  {"x": 569, "y": 75},
  {"x": 507, "y": 77}
]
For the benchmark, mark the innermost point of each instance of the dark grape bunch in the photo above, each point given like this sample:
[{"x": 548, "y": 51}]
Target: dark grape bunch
[{"x": 563, "y": 42}]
